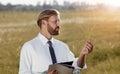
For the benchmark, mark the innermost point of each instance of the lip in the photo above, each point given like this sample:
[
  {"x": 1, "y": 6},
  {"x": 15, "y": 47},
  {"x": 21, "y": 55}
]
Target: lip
[{"x": 57, "y": 29}]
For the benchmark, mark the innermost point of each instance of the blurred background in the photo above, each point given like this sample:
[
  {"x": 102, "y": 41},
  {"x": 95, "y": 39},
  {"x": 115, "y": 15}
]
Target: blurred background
[{"x": 81, "y": 20}]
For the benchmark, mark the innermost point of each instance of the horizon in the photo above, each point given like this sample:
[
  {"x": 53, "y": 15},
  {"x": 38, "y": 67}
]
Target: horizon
[{"x": 35, "y": 2}]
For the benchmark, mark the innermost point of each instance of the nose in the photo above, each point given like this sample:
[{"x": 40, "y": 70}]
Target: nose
[{"x": 58, "y": 23}]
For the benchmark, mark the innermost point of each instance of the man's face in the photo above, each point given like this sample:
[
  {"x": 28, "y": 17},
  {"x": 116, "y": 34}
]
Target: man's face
[{"x": 53, "y": 25}]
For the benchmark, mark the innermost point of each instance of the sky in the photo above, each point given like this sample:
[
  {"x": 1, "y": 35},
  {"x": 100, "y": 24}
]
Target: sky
[{"x": 34, "y": 2}]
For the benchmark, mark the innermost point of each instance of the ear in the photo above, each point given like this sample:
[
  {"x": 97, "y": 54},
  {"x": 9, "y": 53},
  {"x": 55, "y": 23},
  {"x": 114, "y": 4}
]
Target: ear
[{"x": 44, "y": 22}]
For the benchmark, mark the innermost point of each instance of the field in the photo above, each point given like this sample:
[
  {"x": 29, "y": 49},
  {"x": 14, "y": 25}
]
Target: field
[{"x": 101, "y": 27}]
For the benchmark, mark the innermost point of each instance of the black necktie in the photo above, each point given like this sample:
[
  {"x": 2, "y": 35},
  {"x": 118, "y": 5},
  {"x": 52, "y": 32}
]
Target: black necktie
[{"x": 52, "y": 53}]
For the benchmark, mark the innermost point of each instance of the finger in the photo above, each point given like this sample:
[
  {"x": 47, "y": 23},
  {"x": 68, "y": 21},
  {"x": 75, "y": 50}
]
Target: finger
[
  {"x": 89, "y": 48},
  {"x": 55, "y": 72},
  {"x": 90, "y": 45},
  {"x": 89, "y": 42},
  {"x": 51, "y": 72}
]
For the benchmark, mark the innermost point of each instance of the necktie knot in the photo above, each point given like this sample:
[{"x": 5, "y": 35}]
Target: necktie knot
[{"x": 50, "y": 43}]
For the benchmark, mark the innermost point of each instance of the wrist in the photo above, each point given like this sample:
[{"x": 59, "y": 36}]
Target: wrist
[{"x": 82, "y": 54}]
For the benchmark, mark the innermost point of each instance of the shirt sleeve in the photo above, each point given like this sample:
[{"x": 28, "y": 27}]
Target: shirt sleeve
[
  {"x": 77, "y": 68},
  {"x": 25, "y": 60}
]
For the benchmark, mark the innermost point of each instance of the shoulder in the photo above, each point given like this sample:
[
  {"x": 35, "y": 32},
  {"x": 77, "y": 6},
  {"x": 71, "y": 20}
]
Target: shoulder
[
  {"x": 29, "y": 44},
  {"x": 60, "y": 43},
  {"x": 33, "y": 42}
]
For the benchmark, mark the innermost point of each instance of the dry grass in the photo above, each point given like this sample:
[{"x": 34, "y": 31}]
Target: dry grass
[{"x": 101, "y": 27}]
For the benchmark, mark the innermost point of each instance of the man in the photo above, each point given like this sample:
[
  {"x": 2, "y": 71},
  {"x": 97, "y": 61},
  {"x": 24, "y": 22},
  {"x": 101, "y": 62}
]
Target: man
[{"x": 36, "y": 54}]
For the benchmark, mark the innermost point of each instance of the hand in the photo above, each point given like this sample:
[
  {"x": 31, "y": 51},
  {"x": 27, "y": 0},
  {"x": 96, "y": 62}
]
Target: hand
[
  {"x": 88, "y": 47},
  {"x": 53, "y": 72}
]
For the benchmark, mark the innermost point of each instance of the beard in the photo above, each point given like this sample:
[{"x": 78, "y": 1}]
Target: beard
[{"x": 53, "y": 31}]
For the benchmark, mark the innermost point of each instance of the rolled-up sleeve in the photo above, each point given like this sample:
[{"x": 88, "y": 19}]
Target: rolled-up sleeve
[{"x": 77, "y": 68}]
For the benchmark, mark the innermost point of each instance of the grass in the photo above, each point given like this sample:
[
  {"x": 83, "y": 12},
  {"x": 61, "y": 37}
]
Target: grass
[{"x": 100, "y": 27}]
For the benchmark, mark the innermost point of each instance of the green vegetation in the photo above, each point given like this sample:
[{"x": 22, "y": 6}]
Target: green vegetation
[{"x": 102, "y": 28}]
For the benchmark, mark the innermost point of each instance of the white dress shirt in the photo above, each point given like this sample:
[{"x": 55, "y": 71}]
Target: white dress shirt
[{"x": 35, "y": 56}]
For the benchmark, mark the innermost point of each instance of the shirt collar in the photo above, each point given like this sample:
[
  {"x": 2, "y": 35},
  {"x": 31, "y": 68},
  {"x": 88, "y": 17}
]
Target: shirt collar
[{"x": 43, "y": 39}]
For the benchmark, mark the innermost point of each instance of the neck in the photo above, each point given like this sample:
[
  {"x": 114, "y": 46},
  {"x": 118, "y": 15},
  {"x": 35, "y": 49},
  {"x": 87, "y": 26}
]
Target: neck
[{"x": 47, "y": 35}]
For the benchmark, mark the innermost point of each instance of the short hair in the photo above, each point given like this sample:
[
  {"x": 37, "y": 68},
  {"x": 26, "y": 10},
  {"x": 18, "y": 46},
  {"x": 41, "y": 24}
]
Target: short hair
[{"x": 46, "y": 14}]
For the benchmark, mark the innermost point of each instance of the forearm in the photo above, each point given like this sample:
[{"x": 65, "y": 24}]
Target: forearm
[
  {"x": 81, "y": 60},
  {"x": 86, "y": 50}
]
